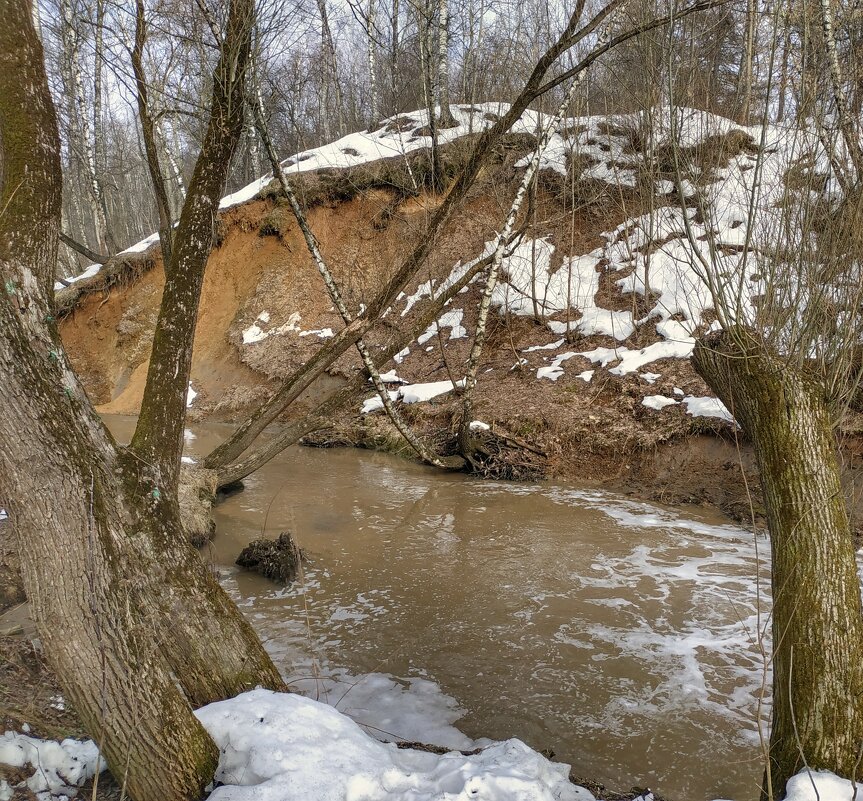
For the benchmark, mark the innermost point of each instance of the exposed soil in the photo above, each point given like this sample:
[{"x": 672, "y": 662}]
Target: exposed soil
[{"x": 366, "y": 220}]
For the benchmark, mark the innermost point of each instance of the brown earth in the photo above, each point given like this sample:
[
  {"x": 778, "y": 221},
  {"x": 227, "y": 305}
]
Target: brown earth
[{"x": 366, "y": 221}]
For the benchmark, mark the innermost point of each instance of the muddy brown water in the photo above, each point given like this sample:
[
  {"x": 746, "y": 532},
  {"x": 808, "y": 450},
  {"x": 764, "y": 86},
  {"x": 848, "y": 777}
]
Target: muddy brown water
[{"x": 618, "y": 634}]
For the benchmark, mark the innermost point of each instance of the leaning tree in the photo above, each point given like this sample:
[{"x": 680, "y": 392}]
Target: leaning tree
[{"x": 135, "y": 626}]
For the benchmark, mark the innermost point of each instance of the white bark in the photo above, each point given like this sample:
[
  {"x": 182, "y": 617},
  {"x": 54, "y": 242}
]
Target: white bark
[
  {"x": 446, "y": 118},
  {"x": 80, "y": 128},
  {"x": 846, "y": 122},
  {"x": 372, "y": 60}
]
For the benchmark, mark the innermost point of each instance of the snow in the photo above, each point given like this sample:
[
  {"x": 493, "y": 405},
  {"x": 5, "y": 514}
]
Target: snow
[
  {"x": 554, "y": 370},
  {"x": 586, "y": 376},
  {"x": 411, "y": 393},
  {"x": 284, "y": 747},
  {"x": 658, "y": 402},
  {"x": 3, "y": 515},
  {"x": 60, "y": 767},
  {"x": 821, "y": 785},
  {"x": 707, "y": 407},
  {"x": 478, "y": 425},
  {"x": 257, "y": 332},
  {"x": 190, "y": 395},
  {"x": 529, "y": 286},
  {"x": 452, "y": 320},
  {"x": 392, "y": 378},
  {"x": 323, "y": 333},
  {"x": 418, "y": 393}
]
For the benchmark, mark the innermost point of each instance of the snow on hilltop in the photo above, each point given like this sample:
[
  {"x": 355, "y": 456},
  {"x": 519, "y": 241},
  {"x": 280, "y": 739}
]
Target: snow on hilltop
[{"x": 719, "y": 215}]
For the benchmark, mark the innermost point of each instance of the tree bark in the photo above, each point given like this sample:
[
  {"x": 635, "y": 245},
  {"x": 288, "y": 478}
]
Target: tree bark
[
  {"x": 817, "y": 615},
  {"x": 371, "y": 54},
  {"x": 446, "y": 118},
  {"x": 158, "y": 438},
  {"x": 148, "y": 132},
  {"x": 100, "y": 593}
]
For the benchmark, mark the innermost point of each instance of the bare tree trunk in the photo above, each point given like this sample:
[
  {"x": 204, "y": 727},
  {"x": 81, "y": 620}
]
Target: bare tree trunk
[
  {"x": 148, "y": 132},
  {"x": 82, "y": 128},
  {"x": 817, "y": 615},
  {"x": 158, "y": 438},
  {"x": 846, "y": 122},
  {"x": 330, "y": 74},
  {"x": 746, "y": 73},
  {"x": 394, "y": 57},
  {"x": 177, "y": 187},
  {"x": 371, "y": 33}
]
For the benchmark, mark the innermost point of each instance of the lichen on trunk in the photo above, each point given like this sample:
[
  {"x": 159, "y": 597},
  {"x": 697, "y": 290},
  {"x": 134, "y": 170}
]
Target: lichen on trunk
[{"x": 817, "y": 616}]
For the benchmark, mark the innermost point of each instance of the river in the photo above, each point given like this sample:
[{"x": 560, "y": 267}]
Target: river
[{"x": 623, "y": 636}]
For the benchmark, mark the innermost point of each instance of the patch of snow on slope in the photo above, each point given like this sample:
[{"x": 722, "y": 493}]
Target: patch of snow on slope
[
  {"x": 528, "y": 286},
  {"x": 190, "y": 395},
  {"x": 257, "y": 333},
  {"x": 411, "y": 393},
  {"x": 452, "y": 320},
  {"x": 707, "y": 407},
  {"x": 283, "y": 747},
  {"x": 657, "y": 402}
]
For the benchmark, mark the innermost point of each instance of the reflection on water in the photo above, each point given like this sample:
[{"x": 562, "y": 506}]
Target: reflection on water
[{"x": 620, "y": 635}]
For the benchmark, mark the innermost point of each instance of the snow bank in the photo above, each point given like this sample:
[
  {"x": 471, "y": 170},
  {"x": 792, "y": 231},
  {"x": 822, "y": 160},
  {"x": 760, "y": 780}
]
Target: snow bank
[
  {"x": 821, "y": 785},
  {"x": 283, "y": 747},
  {"x": 60, "y": 767},
  {"x": 411, "y": 393}
]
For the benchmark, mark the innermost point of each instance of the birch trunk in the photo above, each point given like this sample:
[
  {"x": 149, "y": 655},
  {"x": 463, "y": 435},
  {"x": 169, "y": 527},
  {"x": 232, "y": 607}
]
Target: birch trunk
[
  {"x": 330, "y": 73},
  {"x": 81, "y": 128},
  {"x": 847, "y": 124},
  {"x": 746, "y": 74},
  {"x": 446, "y": 118},
  {"x": 817, "y": 615}
]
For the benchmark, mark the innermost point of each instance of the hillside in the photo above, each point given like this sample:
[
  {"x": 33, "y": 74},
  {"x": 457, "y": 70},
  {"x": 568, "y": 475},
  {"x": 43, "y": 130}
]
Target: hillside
[{"x": 587, "y": 370}]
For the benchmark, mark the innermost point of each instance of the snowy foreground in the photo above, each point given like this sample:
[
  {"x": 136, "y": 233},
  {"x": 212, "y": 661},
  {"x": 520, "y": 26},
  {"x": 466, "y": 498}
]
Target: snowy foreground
[{"x": 285, "y": 747}]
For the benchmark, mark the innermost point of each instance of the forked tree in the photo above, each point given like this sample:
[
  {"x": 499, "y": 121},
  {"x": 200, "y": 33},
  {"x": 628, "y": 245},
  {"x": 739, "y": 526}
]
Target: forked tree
[{"x": 133, "y": 623}]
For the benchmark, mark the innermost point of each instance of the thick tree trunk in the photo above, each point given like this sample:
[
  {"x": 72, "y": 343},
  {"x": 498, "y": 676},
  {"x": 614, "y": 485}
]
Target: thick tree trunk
[
  {"x": 57, "y": 467},
  {"x": 817, "y": 615}
]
